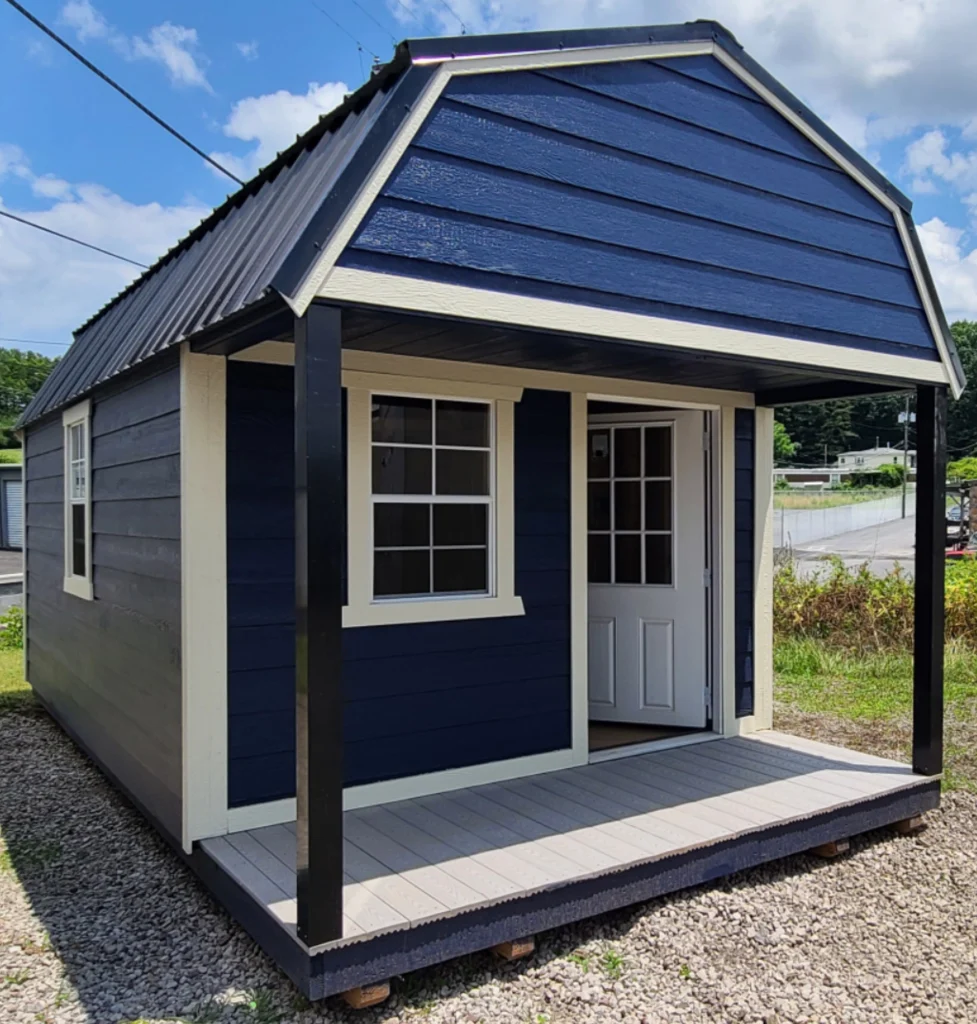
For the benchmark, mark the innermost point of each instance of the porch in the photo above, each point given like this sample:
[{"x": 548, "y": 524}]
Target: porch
[{"x": 448, "y": 874}]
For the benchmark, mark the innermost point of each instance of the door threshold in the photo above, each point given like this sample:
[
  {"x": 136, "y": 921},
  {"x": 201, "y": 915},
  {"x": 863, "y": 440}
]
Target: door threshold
[{"x": 669, "y": 743}]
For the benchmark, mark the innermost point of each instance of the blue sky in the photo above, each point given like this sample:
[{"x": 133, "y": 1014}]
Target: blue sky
[{"x": 897, "y": 78}]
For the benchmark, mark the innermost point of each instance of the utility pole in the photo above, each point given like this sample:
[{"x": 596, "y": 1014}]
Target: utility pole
[{"x": 905, "y": 417}]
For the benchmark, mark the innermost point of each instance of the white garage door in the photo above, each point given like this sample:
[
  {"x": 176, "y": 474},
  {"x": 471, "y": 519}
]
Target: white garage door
[{"x": 13, "y": 493}]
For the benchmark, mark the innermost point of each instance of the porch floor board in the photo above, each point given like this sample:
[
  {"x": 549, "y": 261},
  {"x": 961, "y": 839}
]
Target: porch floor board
[{"x": 435, "y": 857}]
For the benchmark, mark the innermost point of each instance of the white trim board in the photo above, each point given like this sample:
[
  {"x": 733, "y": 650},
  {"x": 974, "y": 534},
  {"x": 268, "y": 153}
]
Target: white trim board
[
  {"x": 457, "y": 301},
  {"x": 318, "y": 282}
]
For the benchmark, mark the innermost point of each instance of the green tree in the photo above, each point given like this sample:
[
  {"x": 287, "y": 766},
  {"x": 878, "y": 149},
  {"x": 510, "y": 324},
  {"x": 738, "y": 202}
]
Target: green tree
[
  {"x": 21, "y": 375},
  {"x": 961, "y": 424},
  {"x": 817, "y": 428},
  {"x": 963, "y": 469},
  {"x": 783, "y": 447}
]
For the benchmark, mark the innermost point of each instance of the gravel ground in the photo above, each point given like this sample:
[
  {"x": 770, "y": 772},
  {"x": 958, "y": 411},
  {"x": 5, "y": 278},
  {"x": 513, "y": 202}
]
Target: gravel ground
[{"x": 99, "y": 922}]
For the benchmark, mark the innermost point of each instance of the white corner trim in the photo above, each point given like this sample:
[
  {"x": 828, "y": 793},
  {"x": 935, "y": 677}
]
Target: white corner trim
[
  {"x": 203, "y": 526},
  {"x": 454, "y": 778},
  {"x": 579, "y": 660},
  {"x": 390, "y": 613},
  {"x": 460, "y": 302},
  {"x": 76, "y": 413},
  {"x": 727, "y": 59}
]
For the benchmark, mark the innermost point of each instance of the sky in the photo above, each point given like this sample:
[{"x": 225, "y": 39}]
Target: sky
[{"x": 896, "y": 78}]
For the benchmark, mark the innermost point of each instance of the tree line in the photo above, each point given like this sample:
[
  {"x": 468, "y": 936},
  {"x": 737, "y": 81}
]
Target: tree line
[{"x": 820, "y": 428}]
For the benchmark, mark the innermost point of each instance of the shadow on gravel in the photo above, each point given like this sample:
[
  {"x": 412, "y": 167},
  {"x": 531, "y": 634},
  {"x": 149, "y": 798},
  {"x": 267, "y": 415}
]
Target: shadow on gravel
[{"x": 129, "y": 935}]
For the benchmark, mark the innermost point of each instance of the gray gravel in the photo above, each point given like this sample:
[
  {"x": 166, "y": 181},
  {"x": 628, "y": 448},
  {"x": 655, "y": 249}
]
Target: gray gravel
[{"x": 98, "y": 922}]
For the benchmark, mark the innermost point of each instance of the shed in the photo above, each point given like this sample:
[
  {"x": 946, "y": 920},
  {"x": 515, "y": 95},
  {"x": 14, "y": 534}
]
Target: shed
[
  {"x": 489, "y": 649},
  {"x": 11, "y": 507}
]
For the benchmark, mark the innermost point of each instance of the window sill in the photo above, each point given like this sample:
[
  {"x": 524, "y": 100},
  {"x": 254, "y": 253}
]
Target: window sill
[
  {"x": 79, "y": 587},
  {"x": 443, "y": 610}
]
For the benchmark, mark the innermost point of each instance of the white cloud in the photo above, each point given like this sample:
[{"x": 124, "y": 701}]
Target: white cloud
[
  {"x": 928, "y": 155},
  {"x": 49, "y": 286},
  {"x": 954, "y": 268},
  {"x": 174, "y": 47},
  {"x": 272, "y": 121},
  {"x": 249, "y": 51}
]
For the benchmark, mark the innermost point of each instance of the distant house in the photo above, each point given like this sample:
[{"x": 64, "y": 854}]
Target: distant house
[
  {"x": 11, "y": 506},
  {"x": 486, "y": 645},
  {"x": 872, "y": 458}
]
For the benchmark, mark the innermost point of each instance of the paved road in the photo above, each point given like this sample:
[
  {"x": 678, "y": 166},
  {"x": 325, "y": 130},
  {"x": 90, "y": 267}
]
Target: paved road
[{"x": 881, "y": 546}]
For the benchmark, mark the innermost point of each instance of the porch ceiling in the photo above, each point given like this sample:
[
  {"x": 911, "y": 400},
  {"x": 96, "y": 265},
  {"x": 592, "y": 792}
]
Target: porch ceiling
[{"x": 432, "y": 338}]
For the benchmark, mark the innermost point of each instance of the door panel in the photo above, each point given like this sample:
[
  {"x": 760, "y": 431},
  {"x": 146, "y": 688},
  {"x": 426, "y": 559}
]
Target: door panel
[{"x": 646, "y": 558}]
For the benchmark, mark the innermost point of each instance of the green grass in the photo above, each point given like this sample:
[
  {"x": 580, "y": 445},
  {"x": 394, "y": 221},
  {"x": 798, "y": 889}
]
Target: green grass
[
  {"x": 15, "y": 694},
  {"x": 864, "y": 700},
  {"x": 828, "y": 499}
]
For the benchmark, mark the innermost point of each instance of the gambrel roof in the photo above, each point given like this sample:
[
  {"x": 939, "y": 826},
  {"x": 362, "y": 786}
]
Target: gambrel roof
[{"x": 276, "y": 240}]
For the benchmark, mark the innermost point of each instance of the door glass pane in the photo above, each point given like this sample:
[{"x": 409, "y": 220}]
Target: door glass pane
[
  {"x": 658, "y": 505},
  {"x": 627, "y": 558},
  {"x": 627, "y": 452},
  {"x": 658, "y": 451},
  {"x": 462, "y": 571},
  {"x": 463, "y": 424},
  {"x": 401, "y": 470},
  {"x": 599, "y": 558},
  {"x": 598, "y": 455},
  {"x": 401, "y": 573},
  {"x": 462, "y": 472},
  {"x": 79, "y": 563},
  {"x": 460, "y": 524},
  {"x": 402, "y": 420},
  {"x": 627, "y": 505},
  {"x": 658, "y": 558},
  {"x": 599, "y": 506},
  {"x": 401, "y": 526}
]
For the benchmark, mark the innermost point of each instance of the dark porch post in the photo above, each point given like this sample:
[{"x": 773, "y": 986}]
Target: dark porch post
[
  {"x": 319, "y": 519},
  {"x": 930, "y": 566}
]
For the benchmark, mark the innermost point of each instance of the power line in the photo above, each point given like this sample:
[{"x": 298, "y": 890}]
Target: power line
[
  {"x": 24, "y": 341},
  {"x": 68, "y": 238},
  {"x": 118, "y": 88},
  {"x": 345, "y": 31},
  {"x": 455, "y": 14},
  {"x": 410, "y": 10},
  {"x": 376, "y": 21}
]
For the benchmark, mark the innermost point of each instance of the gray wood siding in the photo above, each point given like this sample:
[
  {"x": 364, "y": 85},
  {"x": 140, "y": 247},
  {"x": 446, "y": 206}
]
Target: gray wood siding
[{"x": 110, "y": 669}]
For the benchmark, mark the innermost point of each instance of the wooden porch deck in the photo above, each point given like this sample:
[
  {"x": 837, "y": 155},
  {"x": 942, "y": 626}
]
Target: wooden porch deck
[{"x": 432, "y": 858}]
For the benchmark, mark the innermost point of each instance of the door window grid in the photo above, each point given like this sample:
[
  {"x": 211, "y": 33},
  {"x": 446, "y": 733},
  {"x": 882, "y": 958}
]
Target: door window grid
[
  {"x": 635, "y": 554},
  {"x": 429, "y": 509}
]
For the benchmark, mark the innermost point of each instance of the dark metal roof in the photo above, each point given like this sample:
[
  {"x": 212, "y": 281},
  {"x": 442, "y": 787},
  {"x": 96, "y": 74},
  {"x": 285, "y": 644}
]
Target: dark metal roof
[{"x": 261, "y": 243}]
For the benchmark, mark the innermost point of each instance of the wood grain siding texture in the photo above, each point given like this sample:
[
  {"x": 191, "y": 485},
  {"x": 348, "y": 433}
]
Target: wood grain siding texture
[
  {"x": 744, "y": 548},
  {"x": 109, "y": 669},
  {"x": 652, "y": 187},
  {"x": 421, "y": 697}
]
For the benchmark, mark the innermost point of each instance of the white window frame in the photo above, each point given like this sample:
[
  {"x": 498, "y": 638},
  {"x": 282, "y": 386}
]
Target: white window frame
[
  {"x": 77, "y": 416},
  {"x": 362, "y": 608}
]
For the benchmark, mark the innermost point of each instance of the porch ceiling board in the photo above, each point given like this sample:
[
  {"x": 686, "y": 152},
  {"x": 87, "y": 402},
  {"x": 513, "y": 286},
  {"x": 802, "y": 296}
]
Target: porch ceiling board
[
  {"x": 369, "y": 331},
  {"x": 440, "y": 857}
]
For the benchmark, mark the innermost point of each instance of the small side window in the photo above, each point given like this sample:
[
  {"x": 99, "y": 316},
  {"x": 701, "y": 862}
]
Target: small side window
[{"x": 77, "y": 501}]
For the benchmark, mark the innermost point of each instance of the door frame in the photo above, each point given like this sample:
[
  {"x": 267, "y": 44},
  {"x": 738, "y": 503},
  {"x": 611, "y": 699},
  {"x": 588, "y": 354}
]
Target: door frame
[{"x": 719, "y": 550}]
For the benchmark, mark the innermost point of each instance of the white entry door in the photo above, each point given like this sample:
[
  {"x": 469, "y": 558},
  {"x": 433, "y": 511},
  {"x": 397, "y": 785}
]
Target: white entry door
[{"x": 646, "y": 561}]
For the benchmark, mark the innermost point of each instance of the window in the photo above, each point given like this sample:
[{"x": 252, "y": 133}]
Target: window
[
  {"x": 430, "y": 502},
  {"x": 629, "y": 499},
  {"x": 431, "y": 467},
  {"x": 77, "y": 502}
]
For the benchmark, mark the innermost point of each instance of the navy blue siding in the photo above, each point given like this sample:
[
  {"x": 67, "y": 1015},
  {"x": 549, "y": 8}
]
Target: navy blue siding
[
  {"x": 419, "y": 698},
  {"x": 110, "y": 669},
  {"x": 743, "y": 553},
  {"x": 660, "y": 188}
]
